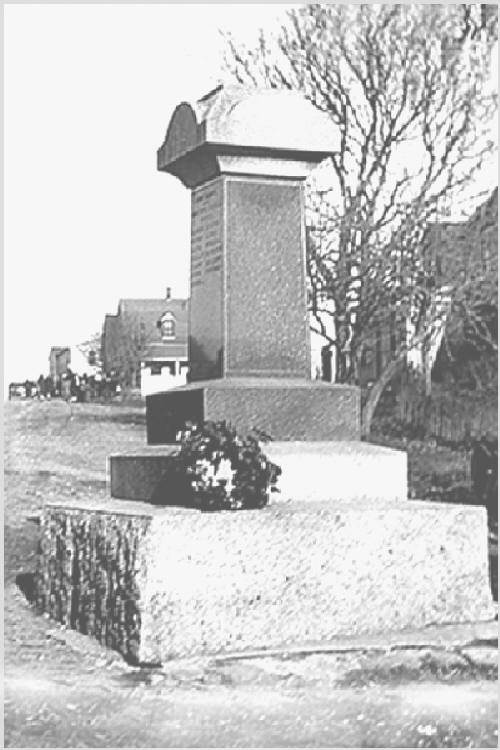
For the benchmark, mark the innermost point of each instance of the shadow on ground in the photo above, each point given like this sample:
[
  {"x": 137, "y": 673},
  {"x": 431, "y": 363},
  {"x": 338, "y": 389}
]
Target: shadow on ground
[{"x": 26, "y": 582}]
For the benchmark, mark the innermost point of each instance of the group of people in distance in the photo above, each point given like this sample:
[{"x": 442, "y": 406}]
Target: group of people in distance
[{"x": 69, "y": 386}]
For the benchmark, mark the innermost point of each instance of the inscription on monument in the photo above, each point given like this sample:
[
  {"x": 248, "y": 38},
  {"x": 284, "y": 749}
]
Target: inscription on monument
[
  {"x": 206, "y": 231},
  {"x": 206, "y": 335}
]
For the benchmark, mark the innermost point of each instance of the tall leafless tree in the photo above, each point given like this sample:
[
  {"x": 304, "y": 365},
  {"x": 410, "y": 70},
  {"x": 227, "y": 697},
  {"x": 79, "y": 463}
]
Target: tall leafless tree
[
  {"x": 407, "y": 87},
  {"x": 129, "y": 341}
]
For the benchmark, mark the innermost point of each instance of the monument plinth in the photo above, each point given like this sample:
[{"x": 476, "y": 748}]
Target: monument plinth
[{"x": 245, "y": 156}]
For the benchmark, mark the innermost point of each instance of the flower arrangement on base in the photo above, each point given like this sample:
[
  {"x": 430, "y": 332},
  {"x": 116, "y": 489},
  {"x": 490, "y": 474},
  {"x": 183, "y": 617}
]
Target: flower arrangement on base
[{"x": 217, "y": 469}]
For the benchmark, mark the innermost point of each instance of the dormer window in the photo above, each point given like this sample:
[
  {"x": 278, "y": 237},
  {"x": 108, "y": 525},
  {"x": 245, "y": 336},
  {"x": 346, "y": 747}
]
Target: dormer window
[{"x": 167, "y": 326}]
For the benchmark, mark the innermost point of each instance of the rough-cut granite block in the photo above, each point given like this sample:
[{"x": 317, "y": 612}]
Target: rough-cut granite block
[
  {"x": 157, "y": 583},
  {"x": 287, "y": 409},
  {"x": 91, "y": 572},
  {"x": 351, "y": 471}
]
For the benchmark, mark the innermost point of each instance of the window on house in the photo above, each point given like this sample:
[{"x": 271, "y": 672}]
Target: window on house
[
  {"x": 167, "y": 326},
  {"x": 156, "y": 368}
]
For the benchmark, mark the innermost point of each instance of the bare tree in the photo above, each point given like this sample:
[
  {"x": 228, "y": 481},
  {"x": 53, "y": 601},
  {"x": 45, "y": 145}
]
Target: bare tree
[
  {"x": 91, "y": 350},
  {"x": 406, "y": 86},
  {"x": 129, "y": 342}
]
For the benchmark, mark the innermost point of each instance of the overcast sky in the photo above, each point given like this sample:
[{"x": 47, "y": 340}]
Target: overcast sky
[{"x": 89, "y": 91}]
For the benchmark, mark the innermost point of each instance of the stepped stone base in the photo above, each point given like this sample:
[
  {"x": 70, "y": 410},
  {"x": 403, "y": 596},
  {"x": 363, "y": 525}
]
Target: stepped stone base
[
  {"x": 348, "y": 471},
  {"x": 157, "y": 583},
  {"x": 286, "y": 409}
]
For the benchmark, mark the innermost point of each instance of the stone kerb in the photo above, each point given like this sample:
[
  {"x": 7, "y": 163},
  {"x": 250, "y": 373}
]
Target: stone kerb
[{"x": 158, "y": 583}]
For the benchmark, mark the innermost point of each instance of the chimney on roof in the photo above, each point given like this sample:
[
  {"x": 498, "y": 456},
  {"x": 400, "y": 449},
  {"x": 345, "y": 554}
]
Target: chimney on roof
[{"x": 169, "y": 292}]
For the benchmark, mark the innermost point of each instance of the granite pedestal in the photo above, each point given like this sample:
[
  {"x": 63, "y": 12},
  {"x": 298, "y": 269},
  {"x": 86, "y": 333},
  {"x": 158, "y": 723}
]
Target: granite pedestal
[
  {"x": 344, "y": 471},
  {"x": 285, "y": 409},
  {"x": 159, "y": 583}
]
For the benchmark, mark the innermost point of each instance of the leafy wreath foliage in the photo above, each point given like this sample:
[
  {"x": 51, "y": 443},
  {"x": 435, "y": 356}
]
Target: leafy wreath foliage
[{"x": 217, "y": 469}]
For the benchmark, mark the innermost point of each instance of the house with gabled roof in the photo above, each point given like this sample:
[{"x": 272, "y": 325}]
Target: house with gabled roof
[{"x": 146, "y": 343}]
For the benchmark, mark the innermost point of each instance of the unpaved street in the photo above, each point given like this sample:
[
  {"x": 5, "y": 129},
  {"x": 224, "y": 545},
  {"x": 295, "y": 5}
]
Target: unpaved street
[{"x": 65, "y": 690}]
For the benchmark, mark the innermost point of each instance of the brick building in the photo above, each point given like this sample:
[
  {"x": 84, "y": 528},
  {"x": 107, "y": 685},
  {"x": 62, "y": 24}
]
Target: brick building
[
  {"x": 472, "y": 255},
  {"x": 79, "y": 358},
  {"x": 59, "y": 360},
  {"x": 456, "y": 251}
]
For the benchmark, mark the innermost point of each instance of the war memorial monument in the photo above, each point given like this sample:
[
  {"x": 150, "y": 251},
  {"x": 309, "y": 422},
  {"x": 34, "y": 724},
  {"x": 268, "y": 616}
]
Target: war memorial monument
[{"x": 340, "y": 550}]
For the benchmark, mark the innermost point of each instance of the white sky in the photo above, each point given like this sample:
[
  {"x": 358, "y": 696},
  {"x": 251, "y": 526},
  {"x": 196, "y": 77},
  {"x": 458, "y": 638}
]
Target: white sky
[{"x": 89, "y": 91}]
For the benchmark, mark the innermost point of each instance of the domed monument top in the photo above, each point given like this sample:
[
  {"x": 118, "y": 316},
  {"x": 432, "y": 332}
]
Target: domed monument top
[{"x": 234, "y": 129}]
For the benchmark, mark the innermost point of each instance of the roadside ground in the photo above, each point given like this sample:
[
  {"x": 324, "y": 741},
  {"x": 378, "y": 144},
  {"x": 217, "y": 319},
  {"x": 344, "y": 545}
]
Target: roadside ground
[{"x": 432, "y": 688}]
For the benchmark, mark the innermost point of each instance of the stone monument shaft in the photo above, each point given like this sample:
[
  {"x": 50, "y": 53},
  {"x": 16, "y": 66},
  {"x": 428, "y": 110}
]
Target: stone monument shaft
[
  {"x": 248, "y": 304},
  {"x": 245, "y": 156}
]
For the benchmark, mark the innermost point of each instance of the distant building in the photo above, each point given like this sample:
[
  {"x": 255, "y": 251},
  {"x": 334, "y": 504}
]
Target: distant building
[
  {"x": 59, "y": 360},
  {"x": 473, "y": 254},
  {"x": 81, "y": 359},
  {"x": 455, "y": 250},
  {"x": 146, "y": 343}
]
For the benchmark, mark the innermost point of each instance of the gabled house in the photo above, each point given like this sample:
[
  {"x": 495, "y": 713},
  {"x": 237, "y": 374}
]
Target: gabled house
[{"x": 146, "y": 343}]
